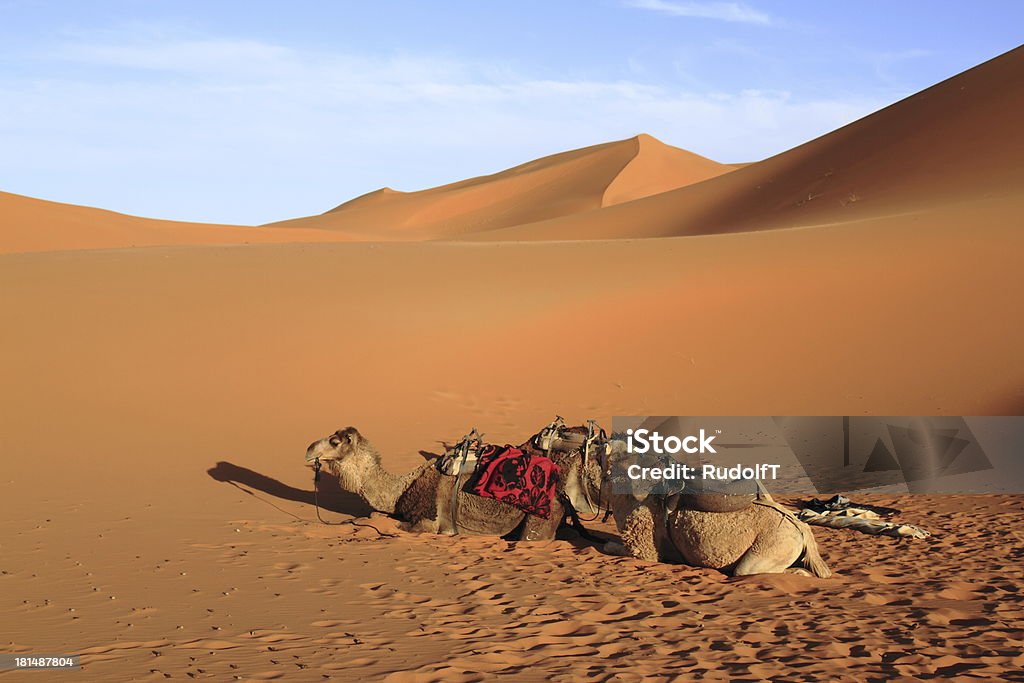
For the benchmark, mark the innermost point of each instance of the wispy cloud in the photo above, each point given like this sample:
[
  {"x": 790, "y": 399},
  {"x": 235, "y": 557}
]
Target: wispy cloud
[
  {"x": 251, "y": 131},
  {"x": 886, "y": 64},
  {"x": 722, "y": 11}
]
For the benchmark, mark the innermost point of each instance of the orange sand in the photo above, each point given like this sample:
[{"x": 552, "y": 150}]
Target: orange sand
[{"x": 31, "y": 225}]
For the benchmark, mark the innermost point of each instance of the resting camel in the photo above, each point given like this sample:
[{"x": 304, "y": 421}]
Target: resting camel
[
  {"x": 762, "y": 538},
  {"x": 422, "y": 498}
]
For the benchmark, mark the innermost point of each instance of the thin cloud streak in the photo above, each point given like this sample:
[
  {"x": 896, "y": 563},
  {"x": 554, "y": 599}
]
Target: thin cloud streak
[
  {"x": 254, "y": 132},
  {"x": 721, "y": 11}
]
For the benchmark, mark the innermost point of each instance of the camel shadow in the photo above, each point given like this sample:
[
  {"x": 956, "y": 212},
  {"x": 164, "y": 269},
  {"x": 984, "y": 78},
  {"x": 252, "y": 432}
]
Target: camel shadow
[
  {"x": 331, "y": 496},
  {"x": 333, "y": 499},
  {"x": 568, "y": 534}
]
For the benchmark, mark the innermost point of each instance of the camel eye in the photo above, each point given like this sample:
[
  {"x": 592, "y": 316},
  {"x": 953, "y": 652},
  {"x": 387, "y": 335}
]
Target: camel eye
[{"x": 334, "y": 441}]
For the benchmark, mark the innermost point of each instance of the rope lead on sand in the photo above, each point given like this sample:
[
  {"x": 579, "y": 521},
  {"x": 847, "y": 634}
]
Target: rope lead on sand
[
  {"x": 316, "y": 494},
  {"x": 316, "y": 504}
]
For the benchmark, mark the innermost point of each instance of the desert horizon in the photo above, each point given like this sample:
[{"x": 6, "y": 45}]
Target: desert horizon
[{"x": 162, "y": 378}]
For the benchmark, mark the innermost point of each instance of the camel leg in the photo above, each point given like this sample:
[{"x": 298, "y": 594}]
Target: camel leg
[
  {"x": 755, "y": 563},
  {"x": 771, "y": 553},
  {"x": 423, "y": 526},
  {"x": 638, "y": 534}
]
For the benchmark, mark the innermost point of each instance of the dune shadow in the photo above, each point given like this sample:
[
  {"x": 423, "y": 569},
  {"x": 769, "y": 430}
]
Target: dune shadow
[{"x": 332, "y": 498}]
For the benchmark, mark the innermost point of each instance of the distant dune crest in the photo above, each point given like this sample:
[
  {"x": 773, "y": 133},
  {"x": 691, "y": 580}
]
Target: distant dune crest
[
  {"x": 566, "y": 184},
  {"x": 954, "y": 143},
  {"x": 958, "y": 141},
  {"x": 656, "y": 168}
]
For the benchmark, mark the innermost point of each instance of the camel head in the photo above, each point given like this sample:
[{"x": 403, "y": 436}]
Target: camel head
[{"x": 345, "y": 454}]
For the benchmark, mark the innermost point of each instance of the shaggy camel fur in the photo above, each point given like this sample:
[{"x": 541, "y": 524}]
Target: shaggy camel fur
[
  {"x": 422, "y": 498},
  {"x": 763, "y": 538}
]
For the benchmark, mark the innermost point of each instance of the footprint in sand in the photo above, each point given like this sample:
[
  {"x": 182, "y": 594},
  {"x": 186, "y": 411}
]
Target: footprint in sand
[
  {"x": 327, "y": 623},
  {"x": 568, "y": 629}
]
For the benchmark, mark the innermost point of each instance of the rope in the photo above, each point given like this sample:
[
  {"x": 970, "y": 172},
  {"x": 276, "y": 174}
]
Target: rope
[
  {"x": 269, "y": 502},
  {"x": 585, "y": 483},
  {"x": 584, "y": 533},
  {"x": 591, "y": 436},
  {"x": 316, "y": 504}
]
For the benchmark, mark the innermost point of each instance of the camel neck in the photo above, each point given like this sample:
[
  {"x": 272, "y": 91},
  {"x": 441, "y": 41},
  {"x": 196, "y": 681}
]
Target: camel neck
[{"x": 382, "y": 489}]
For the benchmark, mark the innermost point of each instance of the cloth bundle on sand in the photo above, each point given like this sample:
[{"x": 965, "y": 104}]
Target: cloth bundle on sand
[
  {"x": 522, "y": 480},
  {"x": 840, "y": 512},
  {"x": 840, "y": 503}
]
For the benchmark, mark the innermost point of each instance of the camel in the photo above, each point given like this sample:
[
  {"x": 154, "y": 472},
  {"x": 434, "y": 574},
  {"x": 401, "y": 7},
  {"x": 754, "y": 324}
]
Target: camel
[
  {"x": 762, "y": 538},
  {"x": 422, "y": 499}
]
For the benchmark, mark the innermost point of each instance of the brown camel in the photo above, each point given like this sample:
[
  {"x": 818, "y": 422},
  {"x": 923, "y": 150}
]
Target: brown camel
[
  {"x": 423, "y": 498},
  {"x": 761, "y": 538}
]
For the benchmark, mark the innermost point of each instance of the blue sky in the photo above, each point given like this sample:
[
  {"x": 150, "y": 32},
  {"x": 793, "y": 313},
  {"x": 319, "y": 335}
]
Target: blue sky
[{"x": 249, "y": 112}]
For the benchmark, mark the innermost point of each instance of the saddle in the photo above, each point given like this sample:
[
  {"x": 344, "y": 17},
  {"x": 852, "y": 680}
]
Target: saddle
[
  {"x": 558, "y": 438},
  {"x": 731, "y": 496},
  {"x": 560, "y": 442},
  {"x": 463, "y": 456},
  {"x": 516, "y": 476}
]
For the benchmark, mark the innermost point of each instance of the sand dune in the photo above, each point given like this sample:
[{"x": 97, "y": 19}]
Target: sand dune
[
  {"x": 157, "y": 402},
  {"x": 563, "y": 184},
  {"x": 559, "y": 185},
  {"x": 954, "y": 142},
  {"x": 30, "y": 225}
]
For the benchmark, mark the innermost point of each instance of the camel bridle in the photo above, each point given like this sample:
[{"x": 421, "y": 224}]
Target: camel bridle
[{"x": 317, "y": 466}]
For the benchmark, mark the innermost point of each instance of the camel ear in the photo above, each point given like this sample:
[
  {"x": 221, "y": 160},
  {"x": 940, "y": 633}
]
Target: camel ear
[{"x": 349, "y": 435}]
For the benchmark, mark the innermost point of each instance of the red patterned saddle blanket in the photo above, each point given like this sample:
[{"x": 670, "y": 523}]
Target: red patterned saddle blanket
[{"x": 525, "y": 481}]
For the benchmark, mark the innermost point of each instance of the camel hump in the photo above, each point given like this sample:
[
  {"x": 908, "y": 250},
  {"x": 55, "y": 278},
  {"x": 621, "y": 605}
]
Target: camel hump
[
  {"x": 719, "y": 496},
  {"x": 715, "y": 502},
  {"x": 419, "y": 501}
]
